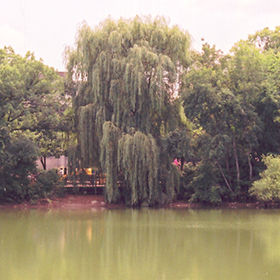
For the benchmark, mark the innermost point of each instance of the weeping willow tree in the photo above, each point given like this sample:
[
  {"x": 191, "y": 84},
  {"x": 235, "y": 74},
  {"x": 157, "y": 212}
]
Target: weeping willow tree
[
  {"x": 127, "y": 74},
  {"x": 138, "y": 158}
]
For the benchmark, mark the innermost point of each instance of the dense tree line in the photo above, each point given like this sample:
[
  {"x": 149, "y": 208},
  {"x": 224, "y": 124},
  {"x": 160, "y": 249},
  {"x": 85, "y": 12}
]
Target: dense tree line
[{"x": 141, "y": 97}]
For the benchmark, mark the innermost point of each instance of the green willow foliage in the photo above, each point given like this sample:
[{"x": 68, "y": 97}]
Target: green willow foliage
[
  {"x": 138, "y": 158},
  {"x": 127, "y": 74},
  {"x": 109, "y": 152}
]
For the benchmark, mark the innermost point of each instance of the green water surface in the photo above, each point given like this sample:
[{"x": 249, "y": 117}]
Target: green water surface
[{"x": 140, "y": 244}]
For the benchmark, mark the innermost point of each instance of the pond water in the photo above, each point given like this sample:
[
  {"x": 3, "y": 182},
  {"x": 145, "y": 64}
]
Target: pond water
[{"x": 140, "y": 244}]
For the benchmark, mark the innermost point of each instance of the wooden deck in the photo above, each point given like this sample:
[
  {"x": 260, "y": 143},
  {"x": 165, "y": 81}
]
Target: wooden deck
[
  {"x": 86, "y": 184},
  {"x": 85, "y": 187}
]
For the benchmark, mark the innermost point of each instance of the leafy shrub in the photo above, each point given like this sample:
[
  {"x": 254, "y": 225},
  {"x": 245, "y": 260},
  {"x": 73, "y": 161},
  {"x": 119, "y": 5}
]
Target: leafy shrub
[
  {"x": 47, "y": 184},
  {"x": 267, "y": 188},
  {"x": 186, "y": 189},
  {"x": 17, "y": 162},
  {"x": 204, "y": 185}
]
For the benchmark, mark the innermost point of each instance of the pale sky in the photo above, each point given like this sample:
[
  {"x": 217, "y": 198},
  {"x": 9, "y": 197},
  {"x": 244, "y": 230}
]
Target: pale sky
[{"x": 46, "y": 27}]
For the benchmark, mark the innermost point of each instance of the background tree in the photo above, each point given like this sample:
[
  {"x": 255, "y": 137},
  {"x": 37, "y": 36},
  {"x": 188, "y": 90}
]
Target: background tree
[
  {"x": 220, "y": 95},
  {"x": 32, "y": 100},
  {"x": 206, "y": 100},
  {"x": 235, "y": 100},
  {"x": 247, "y": 73},
  {"x": 128, "y": 73},
  {"x": 32, "y": 106},
  {"x": 268, "y": 104},
  {"x": 266, "y": 39}
]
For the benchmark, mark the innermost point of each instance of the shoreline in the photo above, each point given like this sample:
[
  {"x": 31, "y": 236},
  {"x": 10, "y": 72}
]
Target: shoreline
[{"x": 88, "y": 201}]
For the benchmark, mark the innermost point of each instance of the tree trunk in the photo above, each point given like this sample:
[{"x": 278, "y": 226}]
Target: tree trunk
[
  {"x": 43, "y": 160},
  {"x": 182, "y": 163},
  {"x": 224, "y": 177},
  {"x": 228, "y": 170},
  {"x": 250, "y": 167},
  {"x": 236, "y": 162}
]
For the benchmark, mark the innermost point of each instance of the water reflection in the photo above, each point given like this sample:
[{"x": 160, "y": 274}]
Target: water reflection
[{"x": 140, "y": 244}]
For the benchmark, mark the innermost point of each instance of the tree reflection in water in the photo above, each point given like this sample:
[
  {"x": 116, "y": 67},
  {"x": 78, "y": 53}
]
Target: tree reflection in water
[{"x": 140, "y": 244}]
